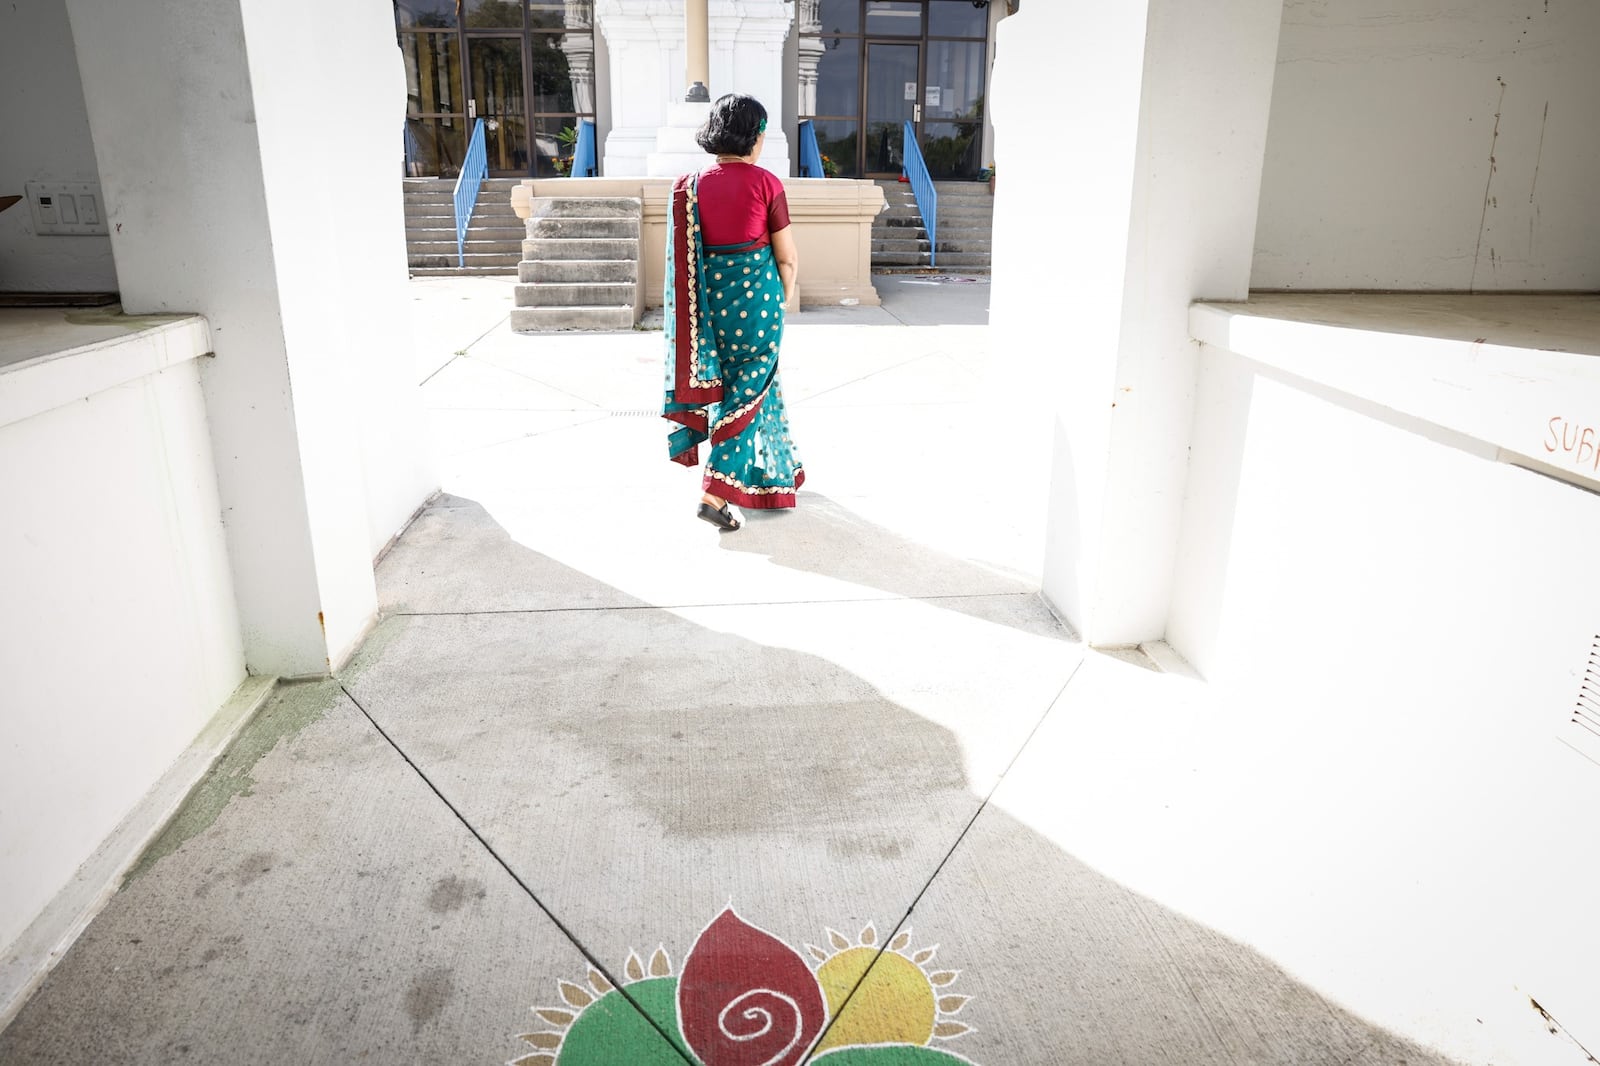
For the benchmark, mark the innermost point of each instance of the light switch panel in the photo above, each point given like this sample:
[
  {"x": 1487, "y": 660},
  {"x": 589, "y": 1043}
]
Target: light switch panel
[{"x": 65, "y": 208}]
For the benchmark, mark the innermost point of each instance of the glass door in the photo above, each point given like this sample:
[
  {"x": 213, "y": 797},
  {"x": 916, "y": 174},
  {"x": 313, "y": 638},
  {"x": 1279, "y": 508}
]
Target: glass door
[
  {"x": 497, "y": 94},
  {"x": 893, "y": 88}
]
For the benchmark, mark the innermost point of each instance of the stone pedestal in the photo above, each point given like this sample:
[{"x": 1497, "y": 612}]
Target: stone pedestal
[{"x": 832, "y": 230}]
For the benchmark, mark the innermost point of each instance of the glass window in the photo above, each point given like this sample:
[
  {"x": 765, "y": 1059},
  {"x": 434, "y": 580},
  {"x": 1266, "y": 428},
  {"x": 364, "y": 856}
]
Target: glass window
[
  {"x": 839, "y": 78},
  {"x": 434, "y": 147},
  {"x": 951, "y": 150},
  {"x": 563, "y": 72},
  {"x": 836, "y": 139},
  {"x": 425, "y": 14},
  {"x": 840, "y": 16},
  {"x": 560, "y": 14},
  {"x": 433, "y": 73},
  {"x": 555, "y": 141},
  {"x": 956, "y": 18},
  {"x": 494, "y": 14},
  {"x": 894, "y": 18},
  {"x": 955, "y": 80}
]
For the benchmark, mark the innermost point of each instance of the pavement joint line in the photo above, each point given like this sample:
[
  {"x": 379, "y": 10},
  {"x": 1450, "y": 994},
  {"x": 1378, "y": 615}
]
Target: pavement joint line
[
  {"x": 864, "y": 377},
  {"x": 983, "y": 805},
  {"x": 528, "y": 377},
  {"x": 529, "y": 436},
  {"x": 588, "y": 955},
  {"x": 694, "y": 606},
  {"x": 437, "y": 372},
  {"x": 502, "y": 320}
]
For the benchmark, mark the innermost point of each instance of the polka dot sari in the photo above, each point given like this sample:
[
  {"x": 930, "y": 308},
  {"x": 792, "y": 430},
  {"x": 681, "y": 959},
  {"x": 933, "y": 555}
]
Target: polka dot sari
[{"x": 724, "y": 326}]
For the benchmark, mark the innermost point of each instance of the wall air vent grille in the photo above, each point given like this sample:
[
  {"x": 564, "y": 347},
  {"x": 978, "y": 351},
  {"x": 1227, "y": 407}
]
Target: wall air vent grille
[{"x": 1583, "y": 728}]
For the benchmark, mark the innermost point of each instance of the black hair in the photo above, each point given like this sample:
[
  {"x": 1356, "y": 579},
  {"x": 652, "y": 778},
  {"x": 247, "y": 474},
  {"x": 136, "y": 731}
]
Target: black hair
[{"x": 732, "y": 127}]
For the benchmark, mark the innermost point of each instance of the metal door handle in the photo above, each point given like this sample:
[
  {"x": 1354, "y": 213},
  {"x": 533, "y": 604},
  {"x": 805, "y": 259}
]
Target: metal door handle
[
  {"x": 472, "y": 109},
  {"x": 916, "y": 112}
]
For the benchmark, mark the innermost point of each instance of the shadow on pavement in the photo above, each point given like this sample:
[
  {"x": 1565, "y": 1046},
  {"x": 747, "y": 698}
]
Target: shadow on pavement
[{"x": 638, "y": 770}]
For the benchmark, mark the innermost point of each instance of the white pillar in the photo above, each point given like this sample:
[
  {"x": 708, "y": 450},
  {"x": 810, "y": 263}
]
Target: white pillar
[
  {"x": 211, "y": 177},
  {"x": 1152, "y": 202}
]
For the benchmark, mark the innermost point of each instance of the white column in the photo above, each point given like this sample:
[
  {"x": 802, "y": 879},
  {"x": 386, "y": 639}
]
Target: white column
[
  {"x": 644, "y": 39},
  {"x": 211, "y": 179},
  {"x": 747, "y": 39},
  {"x": 1152, "y": 204}
]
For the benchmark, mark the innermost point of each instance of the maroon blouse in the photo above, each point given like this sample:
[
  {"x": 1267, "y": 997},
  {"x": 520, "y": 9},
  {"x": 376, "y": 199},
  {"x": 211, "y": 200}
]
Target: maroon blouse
[{"x": 741, "y": 203}]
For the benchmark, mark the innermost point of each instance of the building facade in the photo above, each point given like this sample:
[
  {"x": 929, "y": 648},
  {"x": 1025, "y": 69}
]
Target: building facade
[{"x": 859, "y": 70}]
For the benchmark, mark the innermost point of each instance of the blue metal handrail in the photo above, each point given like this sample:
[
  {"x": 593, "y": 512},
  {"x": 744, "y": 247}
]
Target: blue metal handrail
[
  {"x": 473, "y": 170},
  {"x": 923, "y": 192},
  {"x": 584, "y": 163},
  {"x": 810, "y": 154}
]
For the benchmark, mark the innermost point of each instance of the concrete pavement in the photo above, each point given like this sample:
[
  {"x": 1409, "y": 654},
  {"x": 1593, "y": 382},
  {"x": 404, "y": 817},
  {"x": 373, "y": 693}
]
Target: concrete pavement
[{"x": 605, "y": 786}]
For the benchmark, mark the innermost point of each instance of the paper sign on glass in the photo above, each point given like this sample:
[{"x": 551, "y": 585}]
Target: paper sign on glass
[
  {"x": 933, "y": 96},
  {"x": 911, "y": 90}
]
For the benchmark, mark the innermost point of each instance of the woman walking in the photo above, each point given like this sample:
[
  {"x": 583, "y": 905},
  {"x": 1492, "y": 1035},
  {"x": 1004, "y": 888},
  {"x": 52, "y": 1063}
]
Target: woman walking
[{"x": 731, "y": 268}]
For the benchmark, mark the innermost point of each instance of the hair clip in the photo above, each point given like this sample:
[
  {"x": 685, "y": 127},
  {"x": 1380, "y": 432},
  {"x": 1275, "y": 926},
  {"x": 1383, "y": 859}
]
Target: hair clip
[{"x": 763, "y": 128}]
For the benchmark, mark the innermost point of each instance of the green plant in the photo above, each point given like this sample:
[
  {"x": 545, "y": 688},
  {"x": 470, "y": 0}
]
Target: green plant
[
  {"x": 830, "y": 169},
  {"x": 568, "y": 140}
]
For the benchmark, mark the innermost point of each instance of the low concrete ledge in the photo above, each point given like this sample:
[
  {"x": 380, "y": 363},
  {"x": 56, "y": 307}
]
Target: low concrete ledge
[
  {"x": 50, "y": 357},
  {"x": 1519, "y": 373},
  {"x": 832, "y": 221}
]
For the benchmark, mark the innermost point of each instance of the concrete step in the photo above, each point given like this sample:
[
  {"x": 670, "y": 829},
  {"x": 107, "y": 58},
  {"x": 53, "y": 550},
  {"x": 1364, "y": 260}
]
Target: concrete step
[
  {"x": 502, "y": 264},
  {"x": 579, "y": 248},
  {"x": 511, "y": 247},
  {"x": 932, "y": 269},
  {"x": 582, "y": 294},
  {"x": 478, "y": 270},
  {"x": 922, "y": 246},
  {"x": 947, "y": 260},
  {"x": 593, "y": 228},
  {"x": 574, "y": 271},
  {"x": 546, "y": 319},
  {"x": 584, "y": 207}
]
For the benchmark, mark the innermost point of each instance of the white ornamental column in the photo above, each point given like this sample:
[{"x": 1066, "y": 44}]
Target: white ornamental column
[
  {"x": 645, "y": 40},
  {"x": 747, "y": 38}
]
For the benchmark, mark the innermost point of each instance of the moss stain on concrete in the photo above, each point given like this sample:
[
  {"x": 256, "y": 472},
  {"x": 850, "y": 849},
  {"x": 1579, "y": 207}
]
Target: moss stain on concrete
[
  {"x": 372, "y": 649},
  {"x": 113, "y": 316},
  {"x": 292, "y": 708}
]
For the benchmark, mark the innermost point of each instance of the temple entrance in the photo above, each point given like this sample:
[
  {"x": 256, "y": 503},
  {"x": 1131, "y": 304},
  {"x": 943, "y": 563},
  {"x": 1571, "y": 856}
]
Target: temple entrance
[
  {"x": 869, "y": 66},
  {"x": 525, "y": 68}
]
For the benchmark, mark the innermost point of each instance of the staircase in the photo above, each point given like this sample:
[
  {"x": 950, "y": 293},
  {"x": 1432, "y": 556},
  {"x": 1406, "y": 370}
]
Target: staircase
[
  {"x": 966, "y": 219},
  {"x": 494, "y": 233},
  {"x": 580, "y": 265}
]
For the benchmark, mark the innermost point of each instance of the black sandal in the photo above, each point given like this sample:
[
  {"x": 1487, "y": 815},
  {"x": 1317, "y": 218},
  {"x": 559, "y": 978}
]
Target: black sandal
[{"x": 721, "y": 517}]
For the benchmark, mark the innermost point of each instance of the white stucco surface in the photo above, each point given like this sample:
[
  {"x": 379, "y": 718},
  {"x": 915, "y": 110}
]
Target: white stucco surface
[
  {"x": 120, "y": 637},
  {"x": 1417, "y": 612},
  {"x": 342, "y": 283},
  {"x": 1163, "y": 213},
  {"x": 44, "y": 131},
  {"x": 216, "y": 210},
  {"x": 1433, "y": 145}
]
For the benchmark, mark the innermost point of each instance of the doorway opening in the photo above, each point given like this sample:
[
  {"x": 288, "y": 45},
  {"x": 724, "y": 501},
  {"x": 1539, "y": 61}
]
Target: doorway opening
[
  {"x": 525, "y": 67},
  {"x": 867, "y": 67}
]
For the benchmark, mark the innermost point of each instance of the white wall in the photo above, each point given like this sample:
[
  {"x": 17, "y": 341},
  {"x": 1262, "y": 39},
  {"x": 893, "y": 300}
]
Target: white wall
[
  {"x": 342, "y": 278},
  {"x": 120, "y": 636},
  {"x": 229, "y": 141},
  {"x": 1395, "y": 626},
  {"x": 1385, "y": 117},
  {"x": 44, "y": 136},
  {"x": 1155, "y": 195}
]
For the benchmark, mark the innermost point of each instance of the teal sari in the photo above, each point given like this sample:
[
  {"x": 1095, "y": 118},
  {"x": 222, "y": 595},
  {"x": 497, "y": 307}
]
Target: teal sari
[{"x": 724, "y": 326}]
